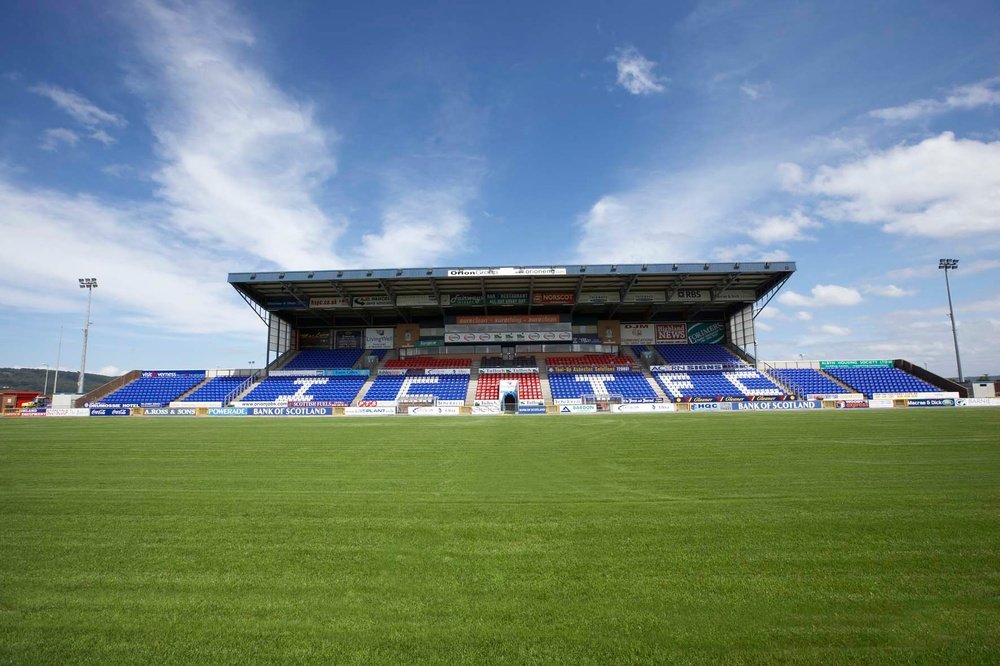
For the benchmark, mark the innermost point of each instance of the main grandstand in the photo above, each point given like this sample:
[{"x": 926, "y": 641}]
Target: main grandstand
[{"x": 517, "y": 338}]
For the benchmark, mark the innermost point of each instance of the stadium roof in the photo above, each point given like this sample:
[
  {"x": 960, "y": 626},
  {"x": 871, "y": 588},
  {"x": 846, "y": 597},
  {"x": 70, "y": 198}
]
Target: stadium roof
[{"x": 631, "y": 292}]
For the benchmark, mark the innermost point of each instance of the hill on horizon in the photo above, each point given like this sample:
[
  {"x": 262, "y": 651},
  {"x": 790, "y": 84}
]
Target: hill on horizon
[{"x": 33, "y": 379}]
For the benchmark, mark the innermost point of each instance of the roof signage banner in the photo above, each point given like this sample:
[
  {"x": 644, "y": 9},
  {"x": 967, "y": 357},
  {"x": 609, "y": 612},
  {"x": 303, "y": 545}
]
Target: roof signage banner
[
  {"x": 553, "y": 298},
  {"x": 416, "y": 299},
  {"x": 511, "y": 336},
  {"x": 738, "y": 295},
  {"x": 508, "y": 298},
  {"x": 371, "y": 302},
  {"x": 691, "y": 295},
  {"x": 520, "y": 270},
  {"x": 460, "y": 300},
  {"x": 599, "y": 298},
  {"x": 327, "y": 303},
  {"x": 508, "y": 319},
  {"x": 645, "y": 297},
  {"x": 283, "y": 304}
]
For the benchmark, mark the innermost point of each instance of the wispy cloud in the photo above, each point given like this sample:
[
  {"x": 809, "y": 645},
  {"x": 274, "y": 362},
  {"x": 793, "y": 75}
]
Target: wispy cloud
[
  {"x": 418, "y": 229},
  {"x": 243, "y": 162},
  {"x": 680, "y": 216},
  {"x": 78, "y": 106},
  {"x": 983, "y": 93},
  {"x": 755, "y": 91},
  {"x": 53, "y": 138},
  {"x": 636, "y": 73}
]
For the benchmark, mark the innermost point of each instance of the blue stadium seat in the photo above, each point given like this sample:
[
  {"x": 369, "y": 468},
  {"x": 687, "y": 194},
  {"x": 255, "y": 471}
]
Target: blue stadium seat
[
  {"x": 572, "y": 385},
  {"x": 808, "y": 381},
  {"x": 732, "y": 384},
  {"x": 397, "y": 387},
  {"x": 881, "y": 380},
  {"x": 154, "y": 391},
  {"x": 306, "y": 389},
  {"x": 323, "y": 359},
  {"x": 693, "y": 354},
  {"x": 216, "y": 389}
]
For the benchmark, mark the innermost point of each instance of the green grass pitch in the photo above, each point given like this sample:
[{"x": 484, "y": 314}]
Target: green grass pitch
[{"x": 792, "y": 537}]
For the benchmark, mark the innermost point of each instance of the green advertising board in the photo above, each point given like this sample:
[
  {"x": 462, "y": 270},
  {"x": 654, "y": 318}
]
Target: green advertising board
[
  {"x": 855, "y": 364},
  {"x": 706, "y": 333}
]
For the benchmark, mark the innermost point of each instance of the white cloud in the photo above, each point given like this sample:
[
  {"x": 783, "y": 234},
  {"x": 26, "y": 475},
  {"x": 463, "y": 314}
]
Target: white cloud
[
  {"x": 755, "y": 91},
  {"x": 823, "y": 295},
  {"x": 418, "y": 230},
  {"x": 243, "y": 161},
  {"x": 833, "y": 329},
  {"x": 802, "y": 315},
  {"x": 58, "y": 136},
  {"x": 791, "y": 176},
  {"x": 888, "y": 290},
  {"x": 51, "y": 239},
  {"x": 102, "y": 137},
  {"x": 983, "y": 93},
  {"x": 940, "y": 188},
  {"x": 685, "y": 216},
  {"x": 78, "y": 106},
  {"x": 782, "y": 229},
  {"x": 635, "y": 72},
  {"x": 110, "y": 371}
]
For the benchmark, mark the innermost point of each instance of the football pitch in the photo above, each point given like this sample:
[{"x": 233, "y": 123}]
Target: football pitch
[{"x": 805, "y": 537}]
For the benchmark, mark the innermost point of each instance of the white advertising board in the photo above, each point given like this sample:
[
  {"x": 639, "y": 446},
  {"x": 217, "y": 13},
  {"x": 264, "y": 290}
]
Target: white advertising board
[
  {"x": 380, "y": 338},
  {"x": 633, "y": 408},
  {"x": 369, "y": 411},
  {"x": 434, "y": 411},
  {"x": 638, "y": 334}
]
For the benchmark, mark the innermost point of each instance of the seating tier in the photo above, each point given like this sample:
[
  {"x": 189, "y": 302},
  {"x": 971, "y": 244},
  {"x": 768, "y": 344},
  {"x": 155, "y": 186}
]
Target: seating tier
[
  {"x": 397, "y": 387},
  {"x": 429, "y": 362},
  {"x": 809, "y": 380},
  {"x": 695, "y": 354},
  {"x": 881, "y": 380},
  {"x": 529, "y": 386},
  {"x": 215, "y": 390},
  {"x": 630, "y": 385},
  {"x": 306, "y": 389},
  {"x": 588, "y": 359},
  {"x": 319, "y": 359},
  {"x": 734, "y": 384},
  {"x": 152, "y": 390}
]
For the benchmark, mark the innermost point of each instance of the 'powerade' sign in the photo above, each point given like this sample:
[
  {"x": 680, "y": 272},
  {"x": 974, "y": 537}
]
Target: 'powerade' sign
[
  {"x": 228, "y": 411},
  {"x": 771, "y": 406}
]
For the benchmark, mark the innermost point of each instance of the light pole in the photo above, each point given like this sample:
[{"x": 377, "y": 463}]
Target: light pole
[
  {"x": 90, "y": 284},
  {"x": 45, "y": 391},
  {"x": 946, "y": 265},
  {"x": 55, "y": 378}
]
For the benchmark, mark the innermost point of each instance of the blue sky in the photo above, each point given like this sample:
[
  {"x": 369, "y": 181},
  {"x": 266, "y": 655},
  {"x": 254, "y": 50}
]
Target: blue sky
[{"x": 159, "y": 146}]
